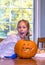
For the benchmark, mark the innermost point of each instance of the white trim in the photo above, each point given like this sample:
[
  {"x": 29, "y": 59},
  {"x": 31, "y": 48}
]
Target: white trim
[{"x": 37, "y": 19}]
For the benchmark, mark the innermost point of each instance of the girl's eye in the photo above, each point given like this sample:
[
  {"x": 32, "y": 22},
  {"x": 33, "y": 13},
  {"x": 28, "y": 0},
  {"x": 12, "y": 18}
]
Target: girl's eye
[
  {"x": 24, "y": 27},
  {"x": 19, "y": 27}
]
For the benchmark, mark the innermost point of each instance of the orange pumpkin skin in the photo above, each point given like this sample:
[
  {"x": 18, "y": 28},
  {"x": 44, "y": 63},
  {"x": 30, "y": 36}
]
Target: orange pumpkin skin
[{"x": 25, "y": 48}]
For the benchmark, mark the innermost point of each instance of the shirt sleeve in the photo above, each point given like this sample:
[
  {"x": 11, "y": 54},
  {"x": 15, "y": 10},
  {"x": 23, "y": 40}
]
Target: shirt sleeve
[
  {"x": 9, "y": 39},
  {"x": 7, "y": 45}
]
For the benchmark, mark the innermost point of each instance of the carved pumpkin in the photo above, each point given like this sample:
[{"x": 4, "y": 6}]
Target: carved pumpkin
[{"x": 25, "y": 48}]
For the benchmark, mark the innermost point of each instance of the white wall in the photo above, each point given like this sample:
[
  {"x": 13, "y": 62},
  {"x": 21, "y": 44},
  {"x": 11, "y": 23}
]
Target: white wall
[
  {"x": 37, "y": 19},
  {"x": 42, "y": 18}
]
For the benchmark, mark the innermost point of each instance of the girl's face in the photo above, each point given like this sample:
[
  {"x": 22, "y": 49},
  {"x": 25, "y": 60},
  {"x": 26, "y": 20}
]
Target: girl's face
[{"x": 22, "y": 29}]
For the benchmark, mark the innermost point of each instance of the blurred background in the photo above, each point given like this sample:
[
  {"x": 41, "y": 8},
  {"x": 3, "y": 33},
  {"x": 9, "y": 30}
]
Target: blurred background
[{"x": 11, "y": 11}]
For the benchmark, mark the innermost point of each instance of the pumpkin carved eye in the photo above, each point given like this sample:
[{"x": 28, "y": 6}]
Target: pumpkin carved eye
[{"x": 25, "y": 48}]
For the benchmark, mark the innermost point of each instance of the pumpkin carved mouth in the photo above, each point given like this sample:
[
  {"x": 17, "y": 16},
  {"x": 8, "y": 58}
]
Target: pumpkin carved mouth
[{"x": 26, "y": 49}]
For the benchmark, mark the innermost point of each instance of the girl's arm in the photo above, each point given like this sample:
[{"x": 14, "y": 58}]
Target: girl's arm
[
  {"x": 7, "y": 46},
  {"x": 10, "y": 38}
]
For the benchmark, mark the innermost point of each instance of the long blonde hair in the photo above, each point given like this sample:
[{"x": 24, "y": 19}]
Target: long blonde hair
[{"x": 28, "y": 26}]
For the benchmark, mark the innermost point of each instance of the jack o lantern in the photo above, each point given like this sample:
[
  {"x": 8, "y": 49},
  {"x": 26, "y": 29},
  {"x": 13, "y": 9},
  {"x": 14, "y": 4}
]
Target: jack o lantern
[{"x": 25, "y": 48}]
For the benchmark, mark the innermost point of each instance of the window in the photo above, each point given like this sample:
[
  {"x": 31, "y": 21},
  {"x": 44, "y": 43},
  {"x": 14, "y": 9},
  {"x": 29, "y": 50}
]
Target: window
[{"x": 11, "y": 11}]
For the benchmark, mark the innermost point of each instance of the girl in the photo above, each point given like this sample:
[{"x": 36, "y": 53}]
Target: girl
[{"x": 7, "y": 45}]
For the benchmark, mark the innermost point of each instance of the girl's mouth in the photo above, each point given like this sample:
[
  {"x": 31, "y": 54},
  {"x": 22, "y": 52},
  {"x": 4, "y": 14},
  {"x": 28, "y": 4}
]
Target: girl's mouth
[{"x": 21, "y": 33}]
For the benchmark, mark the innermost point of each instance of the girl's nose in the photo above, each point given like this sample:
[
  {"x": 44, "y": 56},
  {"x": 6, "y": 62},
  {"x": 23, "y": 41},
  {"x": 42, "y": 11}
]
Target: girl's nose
[{"x": 21, "y": 29}]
